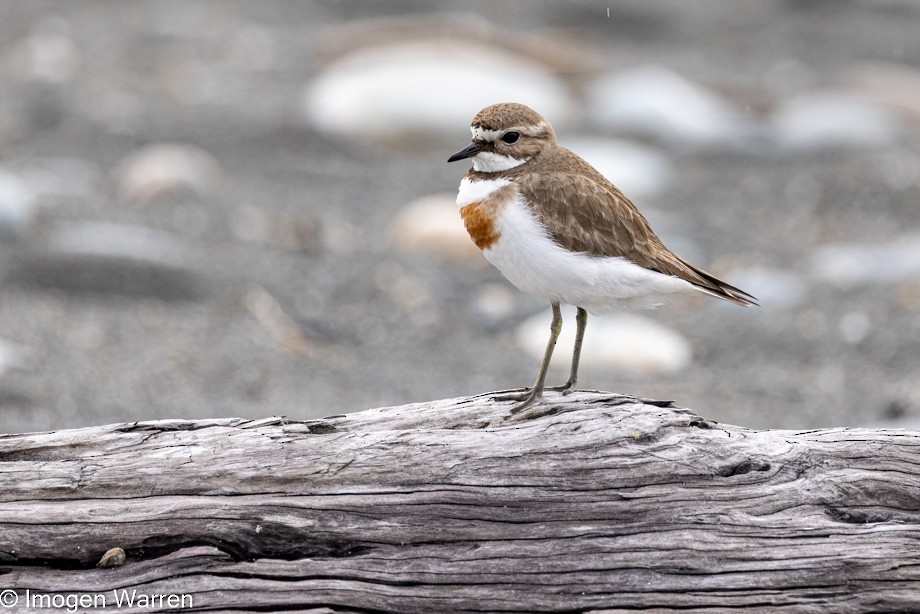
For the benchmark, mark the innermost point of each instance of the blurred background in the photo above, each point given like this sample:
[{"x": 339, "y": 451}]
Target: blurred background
[{"x": 226, "y": 208}]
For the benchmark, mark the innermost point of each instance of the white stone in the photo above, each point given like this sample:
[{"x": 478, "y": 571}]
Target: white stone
[
  {"x": 638, "y": 170},
  {"x": 854, "y": 327},
  {"x": 165, "y": 169},
  {"x": 620, "y": 342},
  {"x": 17, "y": 205},
  {"x": 851, "y": 264},
  {"x": 424, "y": 87},
  {"x": 494, "y": 302},
  {"x": 774, "y": 288},
  {"x": 433, "y": 224},
  {"x": 894, "y": 84},
  {"x": 656, "y": 101},
  {"x": 62, "y": 177},
  {"x": 12, "y": 356},
  {"x": 833, "y": 119},
  {"x": 48, "y": 53}
]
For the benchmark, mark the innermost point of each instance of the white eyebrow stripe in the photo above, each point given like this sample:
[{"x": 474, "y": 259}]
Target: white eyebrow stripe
[{"x": 485, "y": 133}]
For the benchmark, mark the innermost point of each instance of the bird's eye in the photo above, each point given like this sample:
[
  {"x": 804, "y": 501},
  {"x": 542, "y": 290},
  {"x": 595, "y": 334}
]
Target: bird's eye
[{"x": 510, "y": 137}]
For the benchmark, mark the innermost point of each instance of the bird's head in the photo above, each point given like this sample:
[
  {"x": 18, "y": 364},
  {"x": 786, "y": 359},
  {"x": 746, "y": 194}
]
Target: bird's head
[{"x": 504, "y": 136}]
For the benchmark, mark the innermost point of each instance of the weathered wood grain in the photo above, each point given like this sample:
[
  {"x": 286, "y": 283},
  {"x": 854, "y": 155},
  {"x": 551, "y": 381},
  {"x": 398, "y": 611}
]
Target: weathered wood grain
[{"x": 592, "y": 501}]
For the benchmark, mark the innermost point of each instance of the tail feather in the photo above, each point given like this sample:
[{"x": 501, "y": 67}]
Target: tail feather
[{"x": 712, "y": 285}]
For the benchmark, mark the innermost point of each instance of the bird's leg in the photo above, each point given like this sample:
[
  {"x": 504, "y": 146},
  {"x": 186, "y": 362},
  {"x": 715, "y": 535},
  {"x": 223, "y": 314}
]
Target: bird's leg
[
  {"x": 527, "y": 398},
  {"x": 582, "y": 319}
]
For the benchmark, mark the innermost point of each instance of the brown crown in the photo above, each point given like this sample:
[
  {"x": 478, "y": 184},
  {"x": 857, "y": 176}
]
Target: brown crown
[{"x": 506, "y": 115}]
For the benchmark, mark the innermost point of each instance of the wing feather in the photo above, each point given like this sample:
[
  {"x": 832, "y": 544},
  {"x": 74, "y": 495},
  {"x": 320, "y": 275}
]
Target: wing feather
[{"x": 584, "y": 212}]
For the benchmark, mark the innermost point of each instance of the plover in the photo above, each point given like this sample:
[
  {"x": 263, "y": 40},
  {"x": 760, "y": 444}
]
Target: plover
[{"x": 559, "y": 230}]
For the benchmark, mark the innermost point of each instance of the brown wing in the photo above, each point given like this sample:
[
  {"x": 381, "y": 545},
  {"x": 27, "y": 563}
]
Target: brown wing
[{"x": 586, "y": 213}]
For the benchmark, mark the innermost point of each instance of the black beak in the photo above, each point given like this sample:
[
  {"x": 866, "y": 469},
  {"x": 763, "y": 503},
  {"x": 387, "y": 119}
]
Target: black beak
[{"x": 467, "y": 152}]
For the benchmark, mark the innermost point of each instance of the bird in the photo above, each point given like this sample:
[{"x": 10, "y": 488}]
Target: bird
[{"x": 559, "y": 230}]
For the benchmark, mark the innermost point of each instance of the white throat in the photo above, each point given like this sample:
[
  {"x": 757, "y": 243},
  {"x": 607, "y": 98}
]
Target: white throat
[{"x": 489, "y": 162}]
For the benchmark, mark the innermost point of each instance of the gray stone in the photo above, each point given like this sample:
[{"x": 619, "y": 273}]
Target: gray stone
[{"x": 109, "y": 258}]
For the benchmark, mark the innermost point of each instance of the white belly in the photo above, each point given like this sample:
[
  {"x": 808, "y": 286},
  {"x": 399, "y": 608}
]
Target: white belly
[{"x": 536, "y": 264}]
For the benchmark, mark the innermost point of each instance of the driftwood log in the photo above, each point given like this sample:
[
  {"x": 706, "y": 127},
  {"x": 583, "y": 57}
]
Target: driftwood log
[{"x": 593, "y": 501}]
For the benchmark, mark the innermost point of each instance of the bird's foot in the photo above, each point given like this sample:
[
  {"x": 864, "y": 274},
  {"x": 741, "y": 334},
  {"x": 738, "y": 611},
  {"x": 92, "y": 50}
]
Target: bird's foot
[
  {"x": 566, "y": 388},
  {"x": 513, "y": 396},
  {"x": 526, "y": 398}
]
